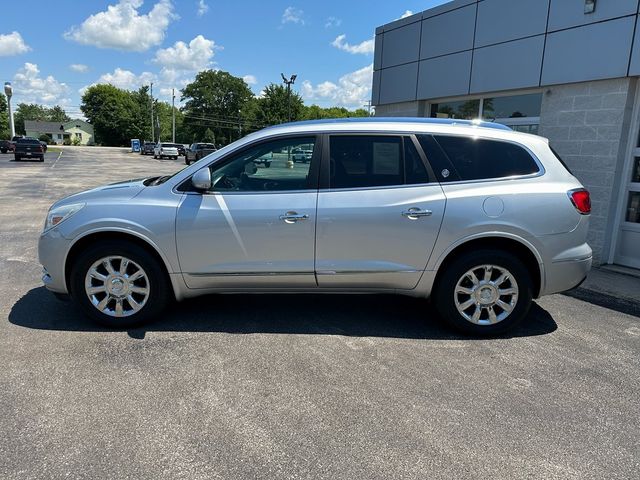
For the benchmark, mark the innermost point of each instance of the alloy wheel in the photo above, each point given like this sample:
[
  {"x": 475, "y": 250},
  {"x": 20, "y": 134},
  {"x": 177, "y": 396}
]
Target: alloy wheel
[
  {"x": 117, "y": 286},
  {"x": 486, "y": 294}
]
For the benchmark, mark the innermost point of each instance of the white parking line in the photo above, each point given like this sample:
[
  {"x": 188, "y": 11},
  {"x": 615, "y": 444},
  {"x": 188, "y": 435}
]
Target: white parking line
[{"x": 56, "y": 160}]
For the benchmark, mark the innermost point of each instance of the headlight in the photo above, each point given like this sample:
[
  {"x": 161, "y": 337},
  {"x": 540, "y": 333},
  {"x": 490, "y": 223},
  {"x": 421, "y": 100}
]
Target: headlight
[{"x": 59, "y": 214}]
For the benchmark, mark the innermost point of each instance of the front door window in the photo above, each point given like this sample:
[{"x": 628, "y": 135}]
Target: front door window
[{"x": 270, "y": 166}]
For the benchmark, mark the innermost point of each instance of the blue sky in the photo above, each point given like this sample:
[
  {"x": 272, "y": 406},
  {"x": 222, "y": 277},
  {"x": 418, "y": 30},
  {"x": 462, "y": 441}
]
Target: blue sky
[{"x": 71, "y": 44}]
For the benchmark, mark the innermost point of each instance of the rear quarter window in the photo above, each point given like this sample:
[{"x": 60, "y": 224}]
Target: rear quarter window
[{"x": 480, "y": 159}]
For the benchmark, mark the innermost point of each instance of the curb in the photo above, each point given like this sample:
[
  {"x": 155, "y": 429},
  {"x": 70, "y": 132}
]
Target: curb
[{"x": 606, "y": 300}]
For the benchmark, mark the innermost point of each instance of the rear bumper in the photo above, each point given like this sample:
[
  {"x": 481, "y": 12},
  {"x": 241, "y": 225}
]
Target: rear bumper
[{"x": 566, "y": 275}]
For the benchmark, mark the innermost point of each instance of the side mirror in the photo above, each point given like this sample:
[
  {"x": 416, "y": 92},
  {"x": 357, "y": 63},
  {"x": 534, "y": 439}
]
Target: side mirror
[{"x": 201, "y": 180}]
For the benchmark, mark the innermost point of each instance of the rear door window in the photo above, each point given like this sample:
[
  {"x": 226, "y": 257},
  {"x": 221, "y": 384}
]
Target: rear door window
[
  {"x": 359, "y": 161},
  {"x": 467, "y": 158}
]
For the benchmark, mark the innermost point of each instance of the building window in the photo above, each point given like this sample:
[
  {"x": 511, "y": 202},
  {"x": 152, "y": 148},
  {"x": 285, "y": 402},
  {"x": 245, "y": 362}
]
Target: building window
[
  {"x": 517, "y": 106},
  {"x": 633, "y": 208},
  {"x": 79, "y": 136},
  {"x": 59, "y": 136},
  {"x": 520, "y": 112},
  {"x": 463, "y": 110},
  {"x": 635, "y": 170}
]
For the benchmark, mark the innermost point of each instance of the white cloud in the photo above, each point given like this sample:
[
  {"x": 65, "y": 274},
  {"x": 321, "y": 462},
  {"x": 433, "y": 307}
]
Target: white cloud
[
  {"x": 250, "y": 79},
  {"x": 293, "y": 15},
  {"x": 30, "y": 87},
  {"x": 202, "y": 8},
  {"x": 122, "y": 27},
  {"x": 125, "y": 79},
  {"x": 333, "y": 22},
  {"x": 78, "y": 67},
  {"x": 351, "y": 91},
  {"x": 365, "y": 47},
  {"x": 193, "y": 57},
  {"x": 406, "y": 14},
  {"x": 12, "y": 44}
]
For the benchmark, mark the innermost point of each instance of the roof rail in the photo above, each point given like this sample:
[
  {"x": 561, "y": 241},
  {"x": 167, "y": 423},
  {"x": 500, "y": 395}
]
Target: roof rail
[{"x": 432, "y": 121}]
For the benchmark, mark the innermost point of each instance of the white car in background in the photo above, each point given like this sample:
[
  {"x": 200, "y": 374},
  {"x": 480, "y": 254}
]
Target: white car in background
[{"x": 168, "y": 150}]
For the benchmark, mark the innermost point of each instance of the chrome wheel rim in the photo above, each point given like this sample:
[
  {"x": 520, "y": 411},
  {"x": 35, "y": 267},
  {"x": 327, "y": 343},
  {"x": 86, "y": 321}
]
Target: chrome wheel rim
[
  {"x": 486, "y": 294},
  {"x": 117, "y": 286}
]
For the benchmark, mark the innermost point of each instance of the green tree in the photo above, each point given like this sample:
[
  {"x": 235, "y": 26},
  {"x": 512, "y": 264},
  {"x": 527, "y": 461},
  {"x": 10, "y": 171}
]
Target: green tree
[
  {"x": 29, "y": 111},
  {"x": 314, "y": 112},
  {"x": 141, "y": 126},
  {"x": 275, "y": 105},
  {"x": 112, "y": 112},
  {"x": 4, "y": 118},
  {"x": 209, "y": 136},
  {"x": 213, "y": 100},
  {"x": 57, "y": 114}
]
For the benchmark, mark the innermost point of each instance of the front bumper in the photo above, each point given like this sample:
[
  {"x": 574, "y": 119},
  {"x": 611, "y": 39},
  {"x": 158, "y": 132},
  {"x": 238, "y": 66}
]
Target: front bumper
[{"x": 52, "y": 252}]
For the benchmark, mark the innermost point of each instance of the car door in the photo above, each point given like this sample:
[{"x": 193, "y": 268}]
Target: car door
[
  {"x": 256, "y": 227},
  {"x": 379, "y": 212}
]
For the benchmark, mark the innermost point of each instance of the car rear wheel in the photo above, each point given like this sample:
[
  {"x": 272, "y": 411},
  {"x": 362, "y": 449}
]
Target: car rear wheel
[
  {"x": 484, "y": 293},
  {"x": 119, "y": 284},
  {"x": 17, "y": 158}
]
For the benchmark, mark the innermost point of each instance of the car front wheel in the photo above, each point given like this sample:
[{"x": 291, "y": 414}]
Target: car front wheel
[
  {"x": 484, "y": 292},
  {"x": 119, "y": 284}
]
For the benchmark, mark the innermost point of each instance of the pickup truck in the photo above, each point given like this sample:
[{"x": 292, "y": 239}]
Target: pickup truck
[
  {"x": 147, "y": 148},
  {"x": 197, "y": 151},
  {"x": 28, "y": 147}
]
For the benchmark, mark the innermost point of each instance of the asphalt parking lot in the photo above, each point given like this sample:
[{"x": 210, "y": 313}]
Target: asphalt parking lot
[{"x": 339, "y": 387}]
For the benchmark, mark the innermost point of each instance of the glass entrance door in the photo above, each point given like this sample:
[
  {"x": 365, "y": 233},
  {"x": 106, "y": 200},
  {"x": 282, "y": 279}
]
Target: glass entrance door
[{"x": 628, "y": 248}]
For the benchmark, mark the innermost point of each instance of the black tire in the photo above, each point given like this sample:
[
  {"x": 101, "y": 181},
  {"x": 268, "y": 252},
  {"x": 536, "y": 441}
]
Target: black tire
[
  {"x": 159, "y": 287},
  {"x": 267, "y": 164},
  {"x": 4, "y": 150},
  {"x": 186, "y": 161},
  {"x": 42, "y": 159},
  {"x": 444, "y": 291},
  {"x": 17, "y": 158}
]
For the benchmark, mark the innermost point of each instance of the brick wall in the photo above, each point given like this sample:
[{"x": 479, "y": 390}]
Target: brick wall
[{"x": 587, "y": 124}]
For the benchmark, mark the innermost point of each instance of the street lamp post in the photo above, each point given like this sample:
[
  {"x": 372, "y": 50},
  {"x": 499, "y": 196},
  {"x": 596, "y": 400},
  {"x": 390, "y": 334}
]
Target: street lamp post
[
  {"x": 8, "y": 91},
  {"x": 173, "y": 115},
  {"x": 288, "y": 82}
]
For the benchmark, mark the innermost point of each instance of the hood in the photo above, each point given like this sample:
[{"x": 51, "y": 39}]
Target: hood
[{"x": 120, "y": 191}]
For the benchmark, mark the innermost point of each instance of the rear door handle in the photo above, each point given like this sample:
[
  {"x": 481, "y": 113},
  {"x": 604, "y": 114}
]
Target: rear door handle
[
  {"x": 293, "y": 217},
  {"x": 415, "y": 213}
]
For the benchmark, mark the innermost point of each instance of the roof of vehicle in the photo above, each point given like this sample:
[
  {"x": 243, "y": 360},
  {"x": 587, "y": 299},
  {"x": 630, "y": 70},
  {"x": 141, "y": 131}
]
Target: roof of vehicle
[
  {"x": 432, "y": 121},
  {"x": 435, "y": 126}
]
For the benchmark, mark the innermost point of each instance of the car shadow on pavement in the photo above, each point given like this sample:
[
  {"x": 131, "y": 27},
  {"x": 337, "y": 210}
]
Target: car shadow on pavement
[{"x": 349, "y": 315}]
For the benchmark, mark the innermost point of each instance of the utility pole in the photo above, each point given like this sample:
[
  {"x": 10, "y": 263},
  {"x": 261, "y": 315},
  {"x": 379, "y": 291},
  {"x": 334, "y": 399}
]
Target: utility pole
[
  {"x": 8, "y": 91},
  {"x": 288, "y": 83},
  {"x": 153, "y": 137},
  {"x": 173, "y": 114},
  {"x": 239, "y": 126},
  {"x": 368, "y": 105}
]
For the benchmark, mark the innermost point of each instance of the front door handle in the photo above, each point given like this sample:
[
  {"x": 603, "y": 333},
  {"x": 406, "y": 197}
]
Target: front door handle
[
  {"x": 415, "y": 213},
  {"x": 293, "y": 217}
]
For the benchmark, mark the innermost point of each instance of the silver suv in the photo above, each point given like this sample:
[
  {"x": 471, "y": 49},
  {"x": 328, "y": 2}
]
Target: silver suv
[{"x": 478, "y": 217}]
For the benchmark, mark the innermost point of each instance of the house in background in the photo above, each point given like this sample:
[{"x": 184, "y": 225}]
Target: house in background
[{"x": 61, "y": 131}]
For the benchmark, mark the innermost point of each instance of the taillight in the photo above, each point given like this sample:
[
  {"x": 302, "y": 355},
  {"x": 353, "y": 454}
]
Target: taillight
[{"x": 581, "y": 200}]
